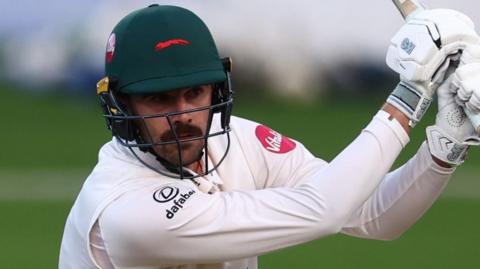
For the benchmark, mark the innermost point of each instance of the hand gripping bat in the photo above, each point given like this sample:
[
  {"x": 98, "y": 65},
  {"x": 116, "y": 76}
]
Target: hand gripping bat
[{"x": 407, "y": 8}]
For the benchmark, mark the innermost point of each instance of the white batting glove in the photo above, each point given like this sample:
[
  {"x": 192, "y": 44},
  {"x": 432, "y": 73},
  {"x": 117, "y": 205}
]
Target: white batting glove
[
  {"x": 420, "y": 52},
  {"x": 453, "y": 133},
  {"x": 466, "y": 82}
]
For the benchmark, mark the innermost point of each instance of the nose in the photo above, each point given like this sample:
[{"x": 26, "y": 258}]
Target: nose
[{"x": 179, "y": 106}]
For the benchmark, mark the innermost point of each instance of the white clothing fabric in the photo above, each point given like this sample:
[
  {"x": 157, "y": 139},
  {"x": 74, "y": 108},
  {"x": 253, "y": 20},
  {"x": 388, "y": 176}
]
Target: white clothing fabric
[{"x": 273, "y": 194}]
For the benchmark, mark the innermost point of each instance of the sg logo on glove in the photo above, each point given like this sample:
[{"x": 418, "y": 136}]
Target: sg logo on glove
[{"x": 408, "y": 46}]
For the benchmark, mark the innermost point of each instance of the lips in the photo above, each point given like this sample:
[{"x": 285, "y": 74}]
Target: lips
[{"x": 186, "y": 136}]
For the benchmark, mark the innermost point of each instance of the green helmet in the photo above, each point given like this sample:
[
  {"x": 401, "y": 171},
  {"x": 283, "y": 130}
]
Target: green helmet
[
  {"x": 161, "y": 48},
  {"x": 158, "y": 49}
]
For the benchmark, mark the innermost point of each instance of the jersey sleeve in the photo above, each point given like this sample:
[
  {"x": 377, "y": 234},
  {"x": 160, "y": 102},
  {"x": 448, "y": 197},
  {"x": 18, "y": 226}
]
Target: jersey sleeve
[
  {"x": 176, "y": 224},
  {"x": 401, "y": 199},
  {"x": 274, "y": 159}
]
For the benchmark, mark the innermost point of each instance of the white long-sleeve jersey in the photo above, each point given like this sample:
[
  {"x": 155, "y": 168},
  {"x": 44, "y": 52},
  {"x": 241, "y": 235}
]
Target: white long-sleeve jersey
[{"x": 273, "y": 194}]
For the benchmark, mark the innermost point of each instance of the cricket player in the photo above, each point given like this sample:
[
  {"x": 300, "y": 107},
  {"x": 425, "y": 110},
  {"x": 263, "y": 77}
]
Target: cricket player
[{"x": 184, "y": 184}]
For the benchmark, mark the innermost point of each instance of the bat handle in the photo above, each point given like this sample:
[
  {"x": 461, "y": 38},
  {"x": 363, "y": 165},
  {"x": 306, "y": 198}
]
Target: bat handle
[{"x": 408, "y": 7}]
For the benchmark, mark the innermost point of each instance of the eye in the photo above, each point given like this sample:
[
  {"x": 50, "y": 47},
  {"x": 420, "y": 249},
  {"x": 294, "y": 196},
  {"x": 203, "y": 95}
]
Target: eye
[
  {"x": 156, "y": 98},
  {"x": 195, "y": 92}
]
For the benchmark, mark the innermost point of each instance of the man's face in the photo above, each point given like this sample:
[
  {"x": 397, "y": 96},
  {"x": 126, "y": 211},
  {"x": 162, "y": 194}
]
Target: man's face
[{"x": 186, "y": 125}]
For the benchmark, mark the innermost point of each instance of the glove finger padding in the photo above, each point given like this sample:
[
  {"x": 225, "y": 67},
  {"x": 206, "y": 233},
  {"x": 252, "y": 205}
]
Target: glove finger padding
[
  {"x": 470, "y": 54},
  {"x": 453, "y": 26},
  {"x": 467, "y": 81},
  {"x": 474, "y": 103}
]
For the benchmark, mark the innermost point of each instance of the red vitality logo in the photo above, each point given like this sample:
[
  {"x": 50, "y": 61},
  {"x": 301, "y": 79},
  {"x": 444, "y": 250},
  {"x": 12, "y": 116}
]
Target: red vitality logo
[
  {"x": 273, "y": 141},
  {"x": 165, "y": 44}
]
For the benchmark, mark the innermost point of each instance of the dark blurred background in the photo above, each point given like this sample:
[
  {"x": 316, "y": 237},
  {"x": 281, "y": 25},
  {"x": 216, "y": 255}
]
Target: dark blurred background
[{"x": 312, "y": 70}]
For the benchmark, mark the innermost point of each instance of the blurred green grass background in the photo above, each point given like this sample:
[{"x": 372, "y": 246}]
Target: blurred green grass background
[{"x": 50, "y": 144}]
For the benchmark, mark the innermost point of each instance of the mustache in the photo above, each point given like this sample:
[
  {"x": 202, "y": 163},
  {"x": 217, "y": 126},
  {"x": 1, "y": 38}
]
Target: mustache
[{"x": 181, "y": 129}]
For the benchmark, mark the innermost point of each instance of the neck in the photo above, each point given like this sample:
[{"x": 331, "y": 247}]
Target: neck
[{"x": 196, "y": 167}]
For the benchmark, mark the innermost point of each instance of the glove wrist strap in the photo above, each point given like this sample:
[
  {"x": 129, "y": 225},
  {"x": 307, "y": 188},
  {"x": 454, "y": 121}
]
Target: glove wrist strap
[
  {"x": 410, "y": 101},
  {"x": 444, "y": 147}
]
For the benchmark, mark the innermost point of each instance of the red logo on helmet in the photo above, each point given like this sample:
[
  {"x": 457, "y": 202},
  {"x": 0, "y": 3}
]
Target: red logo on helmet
[
  {"x": 171, "y": 42},
  {"x": 110, "y": 48},
  {"x": 274, "y": 141}
]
